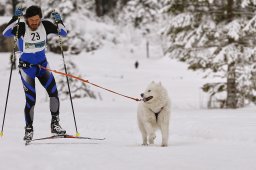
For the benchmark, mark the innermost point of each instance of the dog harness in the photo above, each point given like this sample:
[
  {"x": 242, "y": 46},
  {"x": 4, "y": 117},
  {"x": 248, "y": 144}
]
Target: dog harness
[{"x": 157, "y": 113}]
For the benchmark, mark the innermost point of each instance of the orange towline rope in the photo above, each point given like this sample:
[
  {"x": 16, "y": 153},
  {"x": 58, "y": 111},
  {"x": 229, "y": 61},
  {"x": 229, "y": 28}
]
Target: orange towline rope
[{"x": 87, "y": 81}]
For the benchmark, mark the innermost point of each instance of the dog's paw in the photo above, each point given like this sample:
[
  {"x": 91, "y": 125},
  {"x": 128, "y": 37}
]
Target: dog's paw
[
  {"x": 164, "y": 145},
  {"x": 151, "y": 139},
  {"x": 144, "y": 144}
]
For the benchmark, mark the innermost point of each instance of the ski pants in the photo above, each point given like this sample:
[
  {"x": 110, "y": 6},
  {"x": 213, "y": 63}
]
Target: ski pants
[{"x": 47, "y": 80}]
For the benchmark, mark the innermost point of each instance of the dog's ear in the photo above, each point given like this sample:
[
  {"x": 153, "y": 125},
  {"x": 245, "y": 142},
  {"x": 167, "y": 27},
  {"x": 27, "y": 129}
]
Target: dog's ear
[{"x": 153, "y": 82}]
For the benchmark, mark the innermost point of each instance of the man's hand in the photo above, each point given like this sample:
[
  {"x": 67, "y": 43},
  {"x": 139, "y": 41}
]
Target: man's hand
[
  {"x": 18, "y": 12},
  {"x": 56, "y": 16}
]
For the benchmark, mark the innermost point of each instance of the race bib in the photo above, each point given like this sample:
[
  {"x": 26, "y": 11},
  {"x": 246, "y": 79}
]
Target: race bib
[{"x": 34, "y": 41}]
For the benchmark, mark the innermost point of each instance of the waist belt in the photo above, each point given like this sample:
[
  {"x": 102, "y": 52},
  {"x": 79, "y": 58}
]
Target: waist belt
[{"x": 24, "y": 64}]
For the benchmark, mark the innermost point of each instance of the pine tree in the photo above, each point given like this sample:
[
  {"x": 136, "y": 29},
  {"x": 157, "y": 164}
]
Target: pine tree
[
  {"x": 214, "y": 36},
  {"x": 76, "y": 41},
  {"x": 78, "y": 89},
  {"x": 140, "y": 12}
]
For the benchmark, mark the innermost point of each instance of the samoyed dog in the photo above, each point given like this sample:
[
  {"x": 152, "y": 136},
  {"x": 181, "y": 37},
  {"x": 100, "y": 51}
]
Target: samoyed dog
[{"x": 154, "y": 113}]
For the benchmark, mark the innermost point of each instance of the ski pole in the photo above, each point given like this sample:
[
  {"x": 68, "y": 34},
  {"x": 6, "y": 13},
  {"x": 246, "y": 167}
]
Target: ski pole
[
  {"x": 65, "y": 68},
  {"x": 10, "y": 77}
]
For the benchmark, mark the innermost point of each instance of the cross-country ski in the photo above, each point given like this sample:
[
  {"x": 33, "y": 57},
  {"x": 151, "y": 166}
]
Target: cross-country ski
[{"x": 62, "y": 136}]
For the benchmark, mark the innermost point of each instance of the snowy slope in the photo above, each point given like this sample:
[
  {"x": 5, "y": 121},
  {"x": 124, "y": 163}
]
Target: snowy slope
[{"x": 200, "y": 139}]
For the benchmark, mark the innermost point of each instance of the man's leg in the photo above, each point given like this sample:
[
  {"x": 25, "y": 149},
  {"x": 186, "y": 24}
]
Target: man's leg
[
  {"x": 30, "y": 94},
  {"x": 47, "y": 80}
]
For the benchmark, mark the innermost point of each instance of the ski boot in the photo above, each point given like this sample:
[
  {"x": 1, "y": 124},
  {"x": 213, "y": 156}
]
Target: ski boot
[
  {"x": 28, "y": 134},
  {"x": 56, "y": 129}
]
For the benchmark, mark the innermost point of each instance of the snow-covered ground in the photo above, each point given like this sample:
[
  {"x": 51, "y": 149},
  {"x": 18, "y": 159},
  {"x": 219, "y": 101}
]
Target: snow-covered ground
[{"x": 200, "y": 139}]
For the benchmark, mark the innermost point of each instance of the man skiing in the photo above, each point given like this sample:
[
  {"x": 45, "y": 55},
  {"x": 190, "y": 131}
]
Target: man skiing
[{"x": 32, "y": 37}]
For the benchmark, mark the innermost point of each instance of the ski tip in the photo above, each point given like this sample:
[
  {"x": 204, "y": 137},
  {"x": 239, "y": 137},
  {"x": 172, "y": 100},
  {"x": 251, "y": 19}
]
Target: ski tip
[
  {"x": 1, "y": 134},
  {"x": 77, "y": 134}
]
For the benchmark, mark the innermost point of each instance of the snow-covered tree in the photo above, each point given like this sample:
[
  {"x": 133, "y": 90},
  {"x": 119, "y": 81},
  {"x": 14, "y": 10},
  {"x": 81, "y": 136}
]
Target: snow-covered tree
[
  {"x": 217, "y": 37},
  {"x": 78, "y": 88},
  {"x": 140, "y": 12}
]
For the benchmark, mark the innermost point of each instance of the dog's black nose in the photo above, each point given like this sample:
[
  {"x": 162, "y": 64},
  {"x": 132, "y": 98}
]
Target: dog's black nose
[{"x": 142, "y": 94}]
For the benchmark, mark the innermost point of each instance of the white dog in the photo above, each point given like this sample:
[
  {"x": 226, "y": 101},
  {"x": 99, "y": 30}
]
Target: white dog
[{"x": 153, "y": 113}]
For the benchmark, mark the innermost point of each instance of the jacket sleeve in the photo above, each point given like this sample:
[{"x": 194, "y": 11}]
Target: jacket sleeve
[
  {"x": 11, "y": 28},
  {"x": 53, "y": 29}
]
